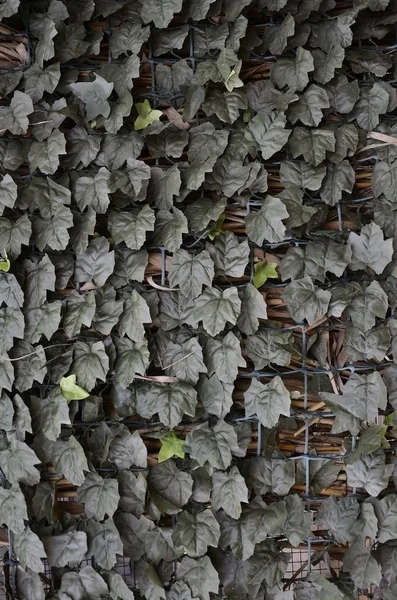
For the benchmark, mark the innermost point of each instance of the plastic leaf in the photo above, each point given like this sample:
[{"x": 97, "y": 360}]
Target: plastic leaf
[{"x": 70, "y": 390}]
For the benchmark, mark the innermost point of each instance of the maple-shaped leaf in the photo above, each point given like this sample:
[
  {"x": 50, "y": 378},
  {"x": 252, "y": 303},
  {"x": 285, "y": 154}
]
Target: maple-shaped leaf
[
  {"x": 171, "y": 446},
  {"x": 146, "y": 115}
]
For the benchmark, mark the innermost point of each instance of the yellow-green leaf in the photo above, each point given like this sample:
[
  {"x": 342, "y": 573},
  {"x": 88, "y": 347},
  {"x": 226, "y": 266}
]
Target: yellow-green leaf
[
  {"x": 4, "y": 263},
  {"x": 70, "y": 390},
  {"x": 233, "y": 81},
  {"x": 264, "y": 271},
  {"x": 171, "y": 446},
  {"x": 217, "y": 230},
  {"x": 146, "y": 115}
]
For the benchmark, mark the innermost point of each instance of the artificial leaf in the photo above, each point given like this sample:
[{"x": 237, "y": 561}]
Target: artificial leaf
[
  {"x": 171, "y": 446},
  {"x": 370, "y": 249},
  {"x": 266, "y": 224},
  {"x": 267, "y": 401},
  {"x": 195, "y": 534},
  {"x": 228, "y": 492},
  {"x": 190, "y": 272},
  {"x": 99, "y": 496},
  {"x": 213, "y": 445},
  {"x": 215, "y": 308}
]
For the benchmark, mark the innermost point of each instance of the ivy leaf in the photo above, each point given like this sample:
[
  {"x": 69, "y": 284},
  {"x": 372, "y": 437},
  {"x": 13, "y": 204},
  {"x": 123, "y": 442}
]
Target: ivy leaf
[
  {"x": 270, "y": 475},
  {"x": 195, "y": 533},
  {"x": 370, "y": 472},
  {"x": 80, "y": 310},
  {"x": 339, "y": 178},
  {"x": 128, "y": 38},
  {"x": 171, "y": 446},
  {"x": 117, "y": 586},
  {"x": 99, "y": 496},
  {"x": 108, "y": 309},
  {"x": 122, "y": 75},
  {"x": 104, "y": 543},
  {"x": 93, "y": 191},
  {"x": 30, "y": 366},
  {"x": 131, "y": 227},
  {"x": 169, "y": 228},
  {"x": 370, "y": 249},
  {"x": 29, "y": 548},
  {"x": 13, "y": 511},
  {"x": 15, "y": 118},
  {"x": 49, "y": 414},
  {"x": 312, "y": 144},
  {"x": 213, "y": 445},
  {"x": 363, "y": 568},
  {"x": 263, "y": 271},
  {"x": 308, "y": 108},
  {"x": 164, "y": 185},
  {"x": 45, "y": 195},
  {"x": 317, "y": 585},
  {"x": 70, "y": 390},
  {"x": 206, "y": 144},
  {"x": 38, "y": 80},
  {"x": 223, "y": 358},
  {"x": 267, "y": 222},
  {"x": 12, "y": 325},
  {"x": 339, "y": 517},
  {"x": 120, "y": 110},
  {"x": 136, "y": 313},
  {"x": 146, "y": 115},
  {"x": 253, "y": 308},
  {"x": 293, "y": 72},
  {"x": 369, "y": 301},
  {"x": 90, "y": 362},
  {"x": 94, "y": 94},
  {"x": 200, "y": 576},
  {"x": 40, "y": 277},
  {"x": 96, "y": 263},
  {"x": 215, "y": 308},
  {"x": 269, "y": 132},
  {"x": 275, "y": 38},
  {"x": 372, "y": 103},
  {"x": 17, "y": 463},
  {"x": 184, "y": 361},
  {"x": 362, "y": 395},
  {"x": 298, "y": 525},
  {"x": 127, "y": 450},
  {"x": 43, "y": 501},
  {"x": 43, "y": 320},
  {"x": 12, "y": 235},
  {"x": 45, "y": 155},
  {"x": 325, "y": 63},
  {"x": 171, "y": 402},
  {"x": 229, "y": 255},
  {"x": 69, "y": 460},
  {"x": 67, "y": 548},
  {"x": 267, "y": 401},
  {"x": 215, "y": 395},
  {"x": 132, "y": 358},
  {"x": 343, "y": 94},
  {"x": 169, "y": 488},
  {"x": 6, "y": 412},
  {"x": 190, "y": 272},
  {"x": 84, "y": 582},
  {"x": 228, "y": 492},
  {"x": 8, "y": 192},
  {"x": 161, "y": 13},
  {"x": 9, "y": 8},
  {"x": 6, "y": 374},
  {"x": 305, "y": 301}
]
